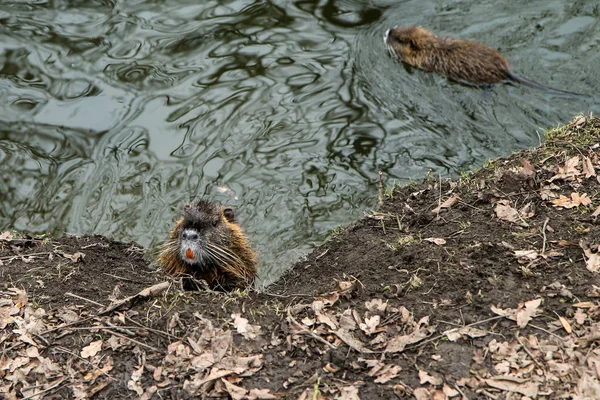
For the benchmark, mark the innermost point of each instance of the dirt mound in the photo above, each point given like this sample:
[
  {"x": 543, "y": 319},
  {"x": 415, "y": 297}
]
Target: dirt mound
[{"x": 485, "y": 286}]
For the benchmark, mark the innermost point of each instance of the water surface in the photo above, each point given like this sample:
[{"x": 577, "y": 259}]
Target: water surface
[{"x": 115, "y": 113}]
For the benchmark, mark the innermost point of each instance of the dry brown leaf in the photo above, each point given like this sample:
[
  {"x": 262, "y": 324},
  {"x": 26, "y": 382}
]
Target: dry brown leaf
[
  {"x": 236, "y": 392},
  {"x": 387, "y": 373},
  {"x": 73, "y": 257},
  {"x": 424, "y": 378},
  {"x": 592, "y": 262},
  {"x": 565, "y": 324},
  {"x": 245, "y": 329},
  {"x": 262, "y": 394},
  {"x": 526, "y": 311},
  {"x": 6, "y": 315},
  {"x": 527, "y": 254},
  {"x": 438, "y": 241},
  {"x": 575, "y": 201},
  {"x": 398, "y": 343},
  {"x": 526, "y": 167},
  {"x": 92, "y": 349},
  {"x": 6, "y": 236},
  {"x": 507, "y": 213},
  {"x": 446, "y": 204},
  {"x": 348, "y": 393},
  {"x": 569, "y": 171},
  {"x": 528, "y": 388},
  {"x": 597, "y": 212},
  {"x": 370, "y": 325},
  {"x": 422, "y": 394},
  {"x": 134, "y": 382},
  {"x": 593, "y": 292},
  {"x": 376, "y": 305},
  {"x": 456, "y": 333},
  {"x": 588, "y": 167}
]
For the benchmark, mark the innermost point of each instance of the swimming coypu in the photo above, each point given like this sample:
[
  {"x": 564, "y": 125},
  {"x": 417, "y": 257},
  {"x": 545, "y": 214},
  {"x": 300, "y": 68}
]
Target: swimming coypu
[
  {"x": 207, "y": 243},
  {"x": 462, "y": 60}
]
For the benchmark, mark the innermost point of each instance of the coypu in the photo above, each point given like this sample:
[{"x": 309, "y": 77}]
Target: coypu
[
  {"x": 464, "y": 61},
  {"x": 207, "y": 243}
]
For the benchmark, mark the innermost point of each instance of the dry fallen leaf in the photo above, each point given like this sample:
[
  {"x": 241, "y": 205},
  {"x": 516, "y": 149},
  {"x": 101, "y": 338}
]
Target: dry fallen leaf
[
  {"x": 387, "y": 373},
  {"x": 398, "y": 343},
  {"x": 526, "y": 311},
  {"x": 527, "y": 254},
  {"x": 438, "y": 241},
  {"x": 92, "y": 349},
  {"x": 424, "y": 377},
  {"x": 527, "y": 388},
  {"x": 244, "y": 328},
  {"x": 576, "y": 200},
  {"x": 565, "y": 324},
  {"x": 593, "y": 259},
  {"x": 588, "y": 167},
  {"x": 507, "y": 213},
  {"x": 569, "y": 171},
  {"x": 446, "y": 204}
]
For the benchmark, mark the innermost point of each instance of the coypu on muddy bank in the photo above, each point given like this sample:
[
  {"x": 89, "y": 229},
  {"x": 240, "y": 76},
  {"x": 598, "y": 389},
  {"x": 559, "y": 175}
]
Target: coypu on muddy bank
[
  {"x": 208, "y": 244},
  {"x": 462, "y": 60}
]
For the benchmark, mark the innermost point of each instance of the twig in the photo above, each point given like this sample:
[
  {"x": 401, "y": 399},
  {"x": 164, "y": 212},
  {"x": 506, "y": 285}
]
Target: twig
[
  {"x": 380, "y": 188},
  {"x": 84, "y": 360},
  {"x": 117, "y": 328},
  {"x": 546, "y": 331},
  {"x": 529, "y": 352},
  {"x": 544, "y": 234},
  {"x": 443, "y": 334},
  {"x": 67, "y": 325},
  {"x": 131, "y": 340},
  {"x": 152, "y": 329},
  {"x": 119, "y": 277},
  {"x": 45, "y": 390},
  {"x": 84, "y": 299},
  {"x": 130, "y": 301},
  {"x": 307, "y": 331}
]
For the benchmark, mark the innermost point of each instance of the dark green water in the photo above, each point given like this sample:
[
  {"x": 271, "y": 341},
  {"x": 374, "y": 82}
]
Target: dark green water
[{"x": 115, "y": 113}]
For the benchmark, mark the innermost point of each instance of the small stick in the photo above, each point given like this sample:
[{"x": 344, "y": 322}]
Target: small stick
[
  {"x": 130, "y": 339},
  {"x": 84, "y": 299},
  {"x": 544, "y": 233},
  {"x": 45, "y": 390},
  {"x": 380, "y": 185},
  {"x": 144, "y": 294},
  {"x": 152, "y": 329},
  {"x": 67, "y": 325},
  {"x": 119, "y": 277},
  {"x": 308, "y": 332},
  {"x": 84, "y": 360},
  {"x": 529, "y": 352},
  {"x": 117, "y": 328}
]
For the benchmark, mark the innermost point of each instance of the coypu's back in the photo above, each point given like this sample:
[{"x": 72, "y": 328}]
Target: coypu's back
[
  {"x": 208, "y": 244},
  {"x": 461, "y": 60}
]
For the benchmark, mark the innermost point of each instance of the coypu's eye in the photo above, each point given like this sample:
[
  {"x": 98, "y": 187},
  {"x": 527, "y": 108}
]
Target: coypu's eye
[{"x": 215, "y": 222}]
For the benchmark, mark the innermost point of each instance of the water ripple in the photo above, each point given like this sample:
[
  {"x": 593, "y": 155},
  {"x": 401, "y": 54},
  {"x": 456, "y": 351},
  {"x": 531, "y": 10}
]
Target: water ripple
[{"x": 114, "y": 113}]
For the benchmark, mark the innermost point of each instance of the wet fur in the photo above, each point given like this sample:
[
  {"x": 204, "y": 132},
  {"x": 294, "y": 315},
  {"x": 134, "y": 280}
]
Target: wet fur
[
  {"x": 228, "y": 261},
  {"x": 462, "y": 60}
]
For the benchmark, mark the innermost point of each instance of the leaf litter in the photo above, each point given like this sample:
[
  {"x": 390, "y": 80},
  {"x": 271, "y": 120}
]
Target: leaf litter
[{"x": 503, "y": 310}]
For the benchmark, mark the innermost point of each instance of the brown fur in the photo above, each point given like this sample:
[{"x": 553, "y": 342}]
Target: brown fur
[
  {"x": 461, "y": 60},
  {"x": 238, "y": 270}
]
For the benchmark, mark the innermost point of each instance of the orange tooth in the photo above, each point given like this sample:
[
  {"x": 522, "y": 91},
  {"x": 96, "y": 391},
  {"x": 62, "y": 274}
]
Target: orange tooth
[{"x": 189, "y": 254}]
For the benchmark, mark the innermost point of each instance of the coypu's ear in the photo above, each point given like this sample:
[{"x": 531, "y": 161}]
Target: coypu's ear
[{"x": 229, "y": 214}]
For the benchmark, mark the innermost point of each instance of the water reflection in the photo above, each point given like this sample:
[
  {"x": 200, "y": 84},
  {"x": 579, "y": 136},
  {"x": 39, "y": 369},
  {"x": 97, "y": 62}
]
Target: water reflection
[{"x": 114, "y": 113}]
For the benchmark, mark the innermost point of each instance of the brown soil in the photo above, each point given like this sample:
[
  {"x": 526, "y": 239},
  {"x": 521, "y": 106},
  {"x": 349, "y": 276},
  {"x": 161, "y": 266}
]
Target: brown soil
[{"x": 413, "y": 301}]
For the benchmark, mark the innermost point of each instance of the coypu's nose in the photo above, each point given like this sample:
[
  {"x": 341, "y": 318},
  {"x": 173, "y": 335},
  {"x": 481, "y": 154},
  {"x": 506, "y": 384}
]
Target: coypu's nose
[{"x": 189, "y": 235}]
